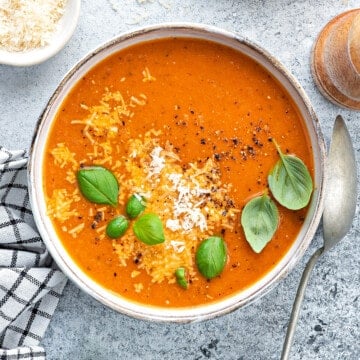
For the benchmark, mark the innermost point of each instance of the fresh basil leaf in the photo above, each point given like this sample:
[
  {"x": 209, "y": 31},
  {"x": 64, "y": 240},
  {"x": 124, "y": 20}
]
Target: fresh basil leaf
[
  {"x": 290, "y": 182},
  {"x": 98, "y": 185},
  {"x": 211, "y": 256},
  {"x": 135, "y": 206},
  {"x": 117, "y": 227},
  {"x": 149, "y": 229},
  {"x": 180, "y": 275},
  {"x": 259, "y": 219}
]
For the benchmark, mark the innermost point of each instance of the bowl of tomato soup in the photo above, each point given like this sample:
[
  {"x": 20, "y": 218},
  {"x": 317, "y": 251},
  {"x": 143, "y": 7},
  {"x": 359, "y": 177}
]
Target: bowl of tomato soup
[{"x": 177, "y": 173}]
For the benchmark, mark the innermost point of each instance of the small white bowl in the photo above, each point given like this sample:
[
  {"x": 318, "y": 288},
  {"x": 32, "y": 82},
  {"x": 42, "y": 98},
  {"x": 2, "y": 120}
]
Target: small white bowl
[{"x": 66, "y": 28}]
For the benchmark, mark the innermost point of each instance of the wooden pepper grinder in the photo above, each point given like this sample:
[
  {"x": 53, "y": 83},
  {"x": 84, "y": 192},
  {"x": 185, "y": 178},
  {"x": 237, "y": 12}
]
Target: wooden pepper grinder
[{"x": 336, "y": 60}]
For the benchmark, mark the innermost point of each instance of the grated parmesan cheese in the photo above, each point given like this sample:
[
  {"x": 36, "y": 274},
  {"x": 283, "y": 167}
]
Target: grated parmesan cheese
[
  {"x": 173, "y": 224},
  {"x": 28, "y": 24},
  {"x": 76, "y": 230},
  {"x": 59, "y": 204},
  {"x": 157, "y": 161},
  {"x": 191, "y": 201},
  {"x": 187, "y": 205},
  {"x": 147, "y": 76},
  {"x": 138, "y": 287},
  {"x": 63, "y": 156},
  {"x": 178, "y": 246}
]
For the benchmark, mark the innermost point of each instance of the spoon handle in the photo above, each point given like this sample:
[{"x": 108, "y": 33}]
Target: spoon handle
[{"x": 297, "y": 304}]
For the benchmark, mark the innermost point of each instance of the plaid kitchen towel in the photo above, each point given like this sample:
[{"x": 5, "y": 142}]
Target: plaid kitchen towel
[{"x": 29, "y": 285}]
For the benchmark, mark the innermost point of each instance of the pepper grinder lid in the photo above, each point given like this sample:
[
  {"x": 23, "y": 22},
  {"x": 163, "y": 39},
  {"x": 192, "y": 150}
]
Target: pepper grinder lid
[{"x": 335, "y": 61}]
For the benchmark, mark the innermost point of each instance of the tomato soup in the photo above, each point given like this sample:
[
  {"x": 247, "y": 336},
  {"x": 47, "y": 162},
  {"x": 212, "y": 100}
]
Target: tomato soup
[{"x": 187, "y": 126}]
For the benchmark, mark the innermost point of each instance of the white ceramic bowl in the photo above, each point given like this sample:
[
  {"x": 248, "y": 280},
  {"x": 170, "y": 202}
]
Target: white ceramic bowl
[
  {"x": 197, "y": 312},
  {"x": 66, "y": 28}
]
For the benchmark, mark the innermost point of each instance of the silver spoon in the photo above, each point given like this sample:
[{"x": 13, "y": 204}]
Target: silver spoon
[{"x": 339, "y": 210}]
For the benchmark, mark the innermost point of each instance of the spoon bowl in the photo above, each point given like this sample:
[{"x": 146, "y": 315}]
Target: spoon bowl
[{"x": 340, "y": 198}]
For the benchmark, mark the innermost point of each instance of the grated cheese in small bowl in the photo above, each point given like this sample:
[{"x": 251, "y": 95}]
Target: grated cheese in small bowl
[{"x": 32, "y": 31}]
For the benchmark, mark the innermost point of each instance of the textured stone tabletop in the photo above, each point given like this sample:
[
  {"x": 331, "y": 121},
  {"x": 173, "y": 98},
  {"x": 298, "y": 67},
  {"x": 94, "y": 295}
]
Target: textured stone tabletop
[{"x": 329, "y": 326}]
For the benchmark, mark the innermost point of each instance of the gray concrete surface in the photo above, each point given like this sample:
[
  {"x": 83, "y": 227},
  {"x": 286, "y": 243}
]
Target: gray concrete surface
[{"x": 82, "y": 328}]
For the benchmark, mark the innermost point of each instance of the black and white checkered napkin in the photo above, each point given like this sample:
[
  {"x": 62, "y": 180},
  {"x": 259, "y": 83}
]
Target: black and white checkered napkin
[{"x": 29, "y": 285}]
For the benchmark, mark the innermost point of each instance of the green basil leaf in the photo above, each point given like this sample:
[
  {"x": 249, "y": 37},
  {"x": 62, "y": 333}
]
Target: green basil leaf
[
  {"x": 290, "y": 182},
  {"x": 180, "y": 275},
  {"x": 259, "y": 219},
  {"x": 117, "y": 227},
  {"x": 149, "y": 229},
  {"x": 135, "y": 206},
  {"x": 211, "y": 256},
  {"x": 98, "y": 185}
]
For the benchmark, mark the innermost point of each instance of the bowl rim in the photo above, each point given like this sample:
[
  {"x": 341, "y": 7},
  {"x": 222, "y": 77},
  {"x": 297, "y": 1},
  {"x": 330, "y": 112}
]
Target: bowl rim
[
  {"x": 66, "y": 28},
  {"x": 201, "y": 312}
]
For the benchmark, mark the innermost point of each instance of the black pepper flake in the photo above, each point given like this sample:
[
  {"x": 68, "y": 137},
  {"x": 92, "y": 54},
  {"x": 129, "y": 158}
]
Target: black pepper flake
[
  {"x": 203, "y": 141},
  {"x": 229, "y": 204},
  {"x": 251, "y": 150},
  {"x": 115, "y": 274},
  {"x": 137, "y": 258},
  {"x": 98, "y": 216},
  {"x": 257, "y": 141},
  {"x": 217, "y": 157}
]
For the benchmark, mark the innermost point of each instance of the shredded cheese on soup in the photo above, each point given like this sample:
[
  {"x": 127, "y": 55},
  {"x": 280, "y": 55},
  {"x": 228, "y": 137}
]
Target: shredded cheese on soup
[{"x": 189, "y": 198}]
